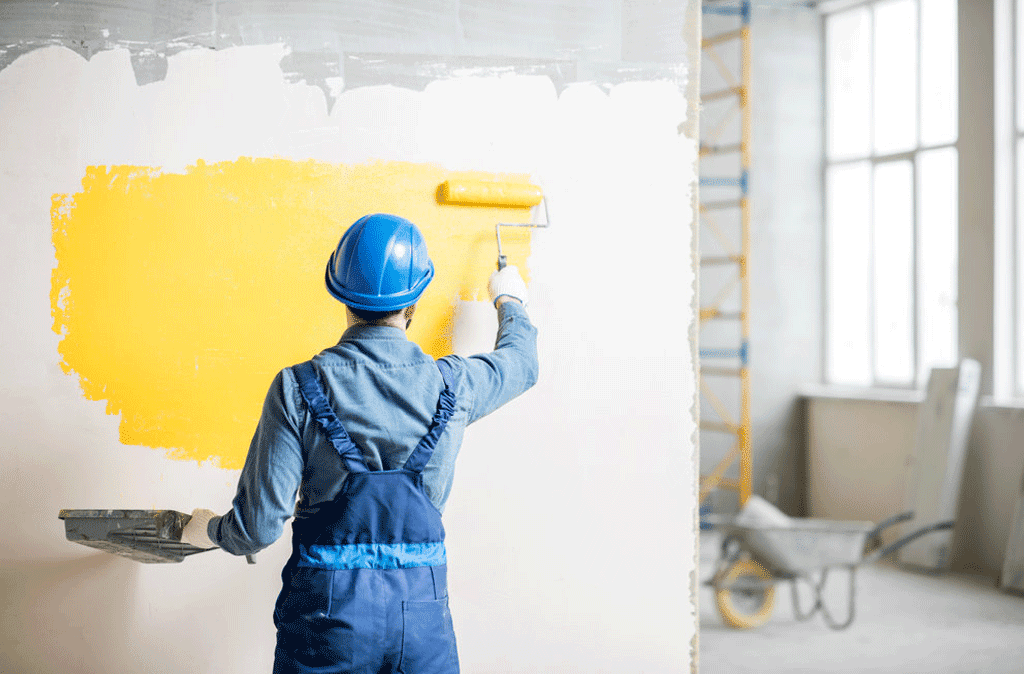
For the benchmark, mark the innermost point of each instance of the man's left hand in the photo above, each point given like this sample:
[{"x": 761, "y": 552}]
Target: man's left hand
[{"x": 195, "y": 532}]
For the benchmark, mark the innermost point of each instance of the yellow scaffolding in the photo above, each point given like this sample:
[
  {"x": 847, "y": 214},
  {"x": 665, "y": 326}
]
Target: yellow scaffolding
[{"x": 711, "y": 358}]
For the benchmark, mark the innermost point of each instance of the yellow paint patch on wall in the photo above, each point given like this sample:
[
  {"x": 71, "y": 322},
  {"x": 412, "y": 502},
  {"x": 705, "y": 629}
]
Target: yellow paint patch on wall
[{"x": 180, "y": 296}]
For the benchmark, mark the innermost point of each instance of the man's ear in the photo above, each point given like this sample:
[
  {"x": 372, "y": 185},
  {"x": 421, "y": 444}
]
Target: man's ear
[{"x": 409, "y": 311}]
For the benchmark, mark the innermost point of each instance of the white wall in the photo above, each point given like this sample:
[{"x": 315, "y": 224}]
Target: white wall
[
  {"x": 571, "y": 539},
  {"x": 858, "y": 457},
  {"x": 859, "y": 452}
]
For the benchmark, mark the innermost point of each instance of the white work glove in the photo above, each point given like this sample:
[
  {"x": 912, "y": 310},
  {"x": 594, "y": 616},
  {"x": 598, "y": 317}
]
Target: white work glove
[
  {"x": 508, "y": 282},
  {"x": 194, "y": 533}
]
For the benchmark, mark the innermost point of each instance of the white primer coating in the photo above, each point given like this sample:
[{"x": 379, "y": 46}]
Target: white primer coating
[{"x": 571, "y": 539}]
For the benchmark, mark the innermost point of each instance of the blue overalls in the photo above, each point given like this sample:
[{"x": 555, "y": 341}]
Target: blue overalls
[{"x": 365, "y": 590}]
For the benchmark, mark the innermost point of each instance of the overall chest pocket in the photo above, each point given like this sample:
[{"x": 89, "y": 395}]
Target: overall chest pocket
[{"x": 428, "y": 638}]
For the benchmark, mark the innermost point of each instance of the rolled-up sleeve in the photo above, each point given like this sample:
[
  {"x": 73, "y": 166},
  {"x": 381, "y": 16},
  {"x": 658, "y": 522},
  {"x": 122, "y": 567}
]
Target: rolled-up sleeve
[
  {"x": 270, "y": 478},
  {"x": 499, "y": 376}
]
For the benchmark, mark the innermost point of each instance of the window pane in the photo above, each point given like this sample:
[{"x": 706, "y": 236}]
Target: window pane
[
  {"x": 895, "y": 76},
  {"x": 849, "y": 218},
  {"x": 1020, "y": 263},
  {"x": 848, "y": 80},
  {"x": 893, "y": 246},
  {"x": 938, "y": 72},
  {"x": 937, "y": 259},
  {"x": 1020, "y": 66}
]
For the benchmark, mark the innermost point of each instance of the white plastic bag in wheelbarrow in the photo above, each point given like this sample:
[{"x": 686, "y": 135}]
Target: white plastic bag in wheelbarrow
[
  {"x": 802, "y": 545},
  {"x": 757, "y": 512}
]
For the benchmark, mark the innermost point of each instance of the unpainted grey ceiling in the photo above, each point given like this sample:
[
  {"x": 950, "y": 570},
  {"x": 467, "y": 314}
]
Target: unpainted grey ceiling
[{"x": 402, "y": 42}]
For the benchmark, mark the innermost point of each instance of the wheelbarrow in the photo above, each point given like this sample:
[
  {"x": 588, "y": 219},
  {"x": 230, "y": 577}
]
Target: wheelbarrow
[{"x": 755, "y": 557}]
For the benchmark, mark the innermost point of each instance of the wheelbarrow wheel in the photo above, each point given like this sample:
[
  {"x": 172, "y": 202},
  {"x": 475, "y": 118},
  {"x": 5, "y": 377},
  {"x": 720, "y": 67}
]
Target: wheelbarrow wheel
[{"x": 745, "y": 607}]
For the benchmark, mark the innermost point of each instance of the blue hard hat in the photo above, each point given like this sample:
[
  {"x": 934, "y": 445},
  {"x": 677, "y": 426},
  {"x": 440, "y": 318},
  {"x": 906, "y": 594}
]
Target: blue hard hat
[{"x": 381, "y": 264}]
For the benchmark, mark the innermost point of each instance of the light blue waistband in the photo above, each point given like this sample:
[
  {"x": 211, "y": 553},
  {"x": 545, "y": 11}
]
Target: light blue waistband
[{"x": 372, "y": 556}]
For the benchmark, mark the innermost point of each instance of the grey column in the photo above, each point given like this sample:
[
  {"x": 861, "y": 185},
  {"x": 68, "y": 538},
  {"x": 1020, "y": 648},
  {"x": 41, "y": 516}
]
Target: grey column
[{"x": 976, "y": 179}]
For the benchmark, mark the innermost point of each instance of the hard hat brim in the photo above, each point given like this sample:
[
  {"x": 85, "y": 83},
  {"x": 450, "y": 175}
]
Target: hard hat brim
[{"x": 383, "y": 303}]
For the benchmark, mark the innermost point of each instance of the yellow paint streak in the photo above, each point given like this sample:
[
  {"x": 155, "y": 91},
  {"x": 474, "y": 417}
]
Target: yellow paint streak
[{"x": 179, "y": 296}]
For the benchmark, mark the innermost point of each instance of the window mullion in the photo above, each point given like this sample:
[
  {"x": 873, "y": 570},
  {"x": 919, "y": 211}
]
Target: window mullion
[
  {"x": 827, "y": 339},
  {"x": 915, "y": 285},
  {"x": 872, "y": 341},
  {"x": 1016, "y": 385},
  {"x": 915, "y": 295}
]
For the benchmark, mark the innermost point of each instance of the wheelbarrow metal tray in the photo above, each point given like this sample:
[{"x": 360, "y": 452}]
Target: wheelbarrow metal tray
[
  {"x": 807, "y": 545},
  {"x": 148, "y": 536}
]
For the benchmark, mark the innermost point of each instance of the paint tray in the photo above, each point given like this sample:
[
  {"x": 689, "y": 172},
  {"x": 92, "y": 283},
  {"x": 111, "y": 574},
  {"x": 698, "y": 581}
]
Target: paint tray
[{"x": 148, "y": 536}]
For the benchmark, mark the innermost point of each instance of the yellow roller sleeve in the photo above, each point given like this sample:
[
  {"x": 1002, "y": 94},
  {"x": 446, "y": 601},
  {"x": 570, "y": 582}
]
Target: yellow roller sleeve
[{"x": 482, "y": 193}]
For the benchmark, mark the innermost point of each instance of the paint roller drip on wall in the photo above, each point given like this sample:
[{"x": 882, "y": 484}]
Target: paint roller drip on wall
[{"x": 495, "y": 194}]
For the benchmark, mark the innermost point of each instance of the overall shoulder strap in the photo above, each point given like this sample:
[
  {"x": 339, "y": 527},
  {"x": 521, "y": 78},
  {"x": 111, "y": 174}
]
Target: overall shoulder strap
[
  {"x": 316, "y": 399},
  {"x": 445, "y": 408}
]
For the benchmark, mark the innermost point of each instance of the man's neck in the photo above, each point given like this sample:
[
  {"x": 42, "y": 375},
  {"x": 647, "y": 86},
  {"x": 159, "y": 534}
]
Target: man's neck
[{"x": 396, "y": 321}]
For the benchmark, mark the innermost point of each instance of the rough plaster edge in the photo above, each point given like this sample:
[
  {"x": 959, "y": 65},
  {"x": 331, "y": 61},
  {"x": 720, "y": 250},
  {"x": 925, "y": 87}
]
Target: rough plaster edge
[
  {"x": 332, "y": 71},
  {"x": 691, "y": 129},
  {"x": 417, "y": 71},
  {"x": 149, "y": 59}
]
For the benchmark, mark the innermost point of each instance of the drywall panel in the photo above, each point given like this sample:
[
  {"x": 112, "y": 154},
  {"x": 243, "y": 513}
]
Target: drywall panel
[
  {"x": 1012, "y": 574},
  {"x": 943, "y": 425},
  {"x": 871, "y": 460},
  {"x": 599, "y": 457}
]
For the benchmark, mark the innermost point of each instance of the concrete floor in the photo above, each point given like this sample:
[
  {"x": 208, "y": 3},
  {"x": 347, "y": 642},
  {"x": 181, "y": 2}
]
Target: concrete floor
[{"x": 905, "y": 622}]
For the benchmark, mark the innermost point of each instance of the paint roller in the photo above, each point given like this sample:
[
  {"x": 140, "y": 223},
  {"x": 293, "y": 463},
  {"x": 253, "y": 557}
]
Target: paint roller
[{"x": 496, "y": 195}]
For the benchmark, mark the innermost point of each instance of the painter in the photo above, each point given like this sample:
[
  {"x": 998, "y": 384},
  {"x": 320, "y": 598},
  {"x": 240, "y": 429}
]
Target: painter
[{"x": 364, "y": 438}]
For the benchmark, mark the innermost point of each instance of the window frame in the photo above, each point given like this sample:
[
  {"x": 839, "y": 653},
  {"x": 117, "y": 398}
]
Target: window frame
[
  {"x": 874, "y": 158},
  {"x": 1012, "y": 385},
  {"x": 1008, "y": 234}
]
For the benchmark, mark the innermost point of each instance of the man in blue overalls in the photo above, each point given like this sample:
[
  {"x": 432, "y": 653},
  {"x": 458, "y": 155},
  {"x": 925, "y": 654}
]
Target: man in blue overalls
[{"x": 366, "y": 435}]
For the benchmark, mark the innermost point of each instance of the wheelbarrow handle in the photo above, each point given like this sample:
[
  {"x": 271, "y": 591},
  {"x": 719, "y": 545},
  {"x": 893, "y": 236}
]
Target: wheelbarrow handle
[
  {"x": 885, "y": 524},
  {"x": 896, "y": 545}
]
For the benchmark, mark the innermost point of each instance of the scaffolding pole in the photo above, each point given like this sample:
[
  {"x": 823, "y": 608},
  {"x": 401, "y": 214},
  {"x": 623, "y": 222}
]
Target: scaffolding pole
[{"x": 711, "y": 357}]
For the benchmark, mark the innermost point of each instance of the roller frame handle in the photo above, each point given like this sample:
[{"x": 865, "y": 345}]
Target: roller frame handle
[{"x": 502, "y": 258}]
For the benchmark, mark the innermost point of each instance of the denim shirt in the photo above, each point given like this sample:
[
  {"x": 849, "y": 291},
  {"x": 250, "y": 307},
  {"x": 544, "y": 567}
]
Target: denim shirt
[{"x": 385, "y": 390}]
